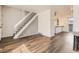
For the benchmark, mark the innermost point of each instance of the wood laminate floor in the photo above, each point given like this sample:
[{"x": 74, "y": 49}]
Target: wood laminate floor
[{"x": 38, "y": 44}]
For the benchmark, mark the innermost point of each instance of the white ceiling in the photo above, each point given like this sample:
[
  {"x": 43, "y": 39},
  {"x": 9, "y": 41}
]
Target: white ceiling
[
  {"x": 40, "y": 8},
  {"x": 32, "y": 8}
]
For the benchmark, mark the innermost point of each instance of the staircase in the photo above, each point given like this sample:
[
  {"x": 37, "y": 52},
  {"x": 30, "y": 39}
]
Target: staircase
[{"x": 23, "y": 24}]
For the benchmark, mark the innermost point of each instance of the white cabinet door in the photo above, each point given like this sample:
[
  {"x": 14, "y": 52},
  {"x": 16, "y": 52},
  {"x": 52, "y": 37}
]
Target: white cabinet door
[{"x": 59, "y": 29}]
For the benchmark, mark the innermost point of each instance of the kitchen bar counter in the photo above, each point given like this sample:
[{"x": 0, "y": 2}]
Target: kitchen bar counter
[{"x": 76, "y": 41}]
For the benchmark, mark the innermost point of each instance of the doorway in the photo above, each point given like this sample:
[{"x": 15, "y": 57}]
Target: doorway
[{"x": 70, "y": 27}]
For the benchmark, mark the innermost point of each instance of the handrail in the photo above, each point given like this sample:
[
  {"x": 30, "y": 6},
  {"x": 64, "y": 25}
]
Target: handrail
[
  {"x": 22, "y": 20},
  {"x": 19, "y": 33}
]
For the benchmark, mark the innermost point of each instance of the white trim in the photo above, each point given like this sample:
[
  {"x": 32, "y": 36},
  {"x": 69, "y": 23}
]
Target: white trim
[
  {"x": 46, "y": 35},
  {"x": 19, "y": 33},
  {"x": 22, "y": 20}
]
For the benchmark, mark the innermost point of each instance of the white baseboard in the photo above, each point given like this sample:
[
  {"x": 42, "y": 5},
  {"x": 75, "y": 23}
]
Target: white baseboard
[
  {"x": 46, "y": 35},
  {"x": 27, "y": 35}
]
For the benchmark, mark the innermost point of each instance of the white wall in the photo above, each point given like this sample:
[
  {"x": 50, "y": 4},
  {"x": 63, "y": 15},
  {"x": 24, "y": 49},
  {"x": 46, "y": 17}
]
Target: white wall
[
  {"x": 61, "y": 14},
  {"x": 31, "y": 29},
  {"x": 44, "y": 23},
  {"x": 47, "y": 20},
  {"x": 52, "y": 22},
  {"x": 65, "y": 24},
  {"x": 76, "y": 19},
  {"x": 10, "y": 17}
]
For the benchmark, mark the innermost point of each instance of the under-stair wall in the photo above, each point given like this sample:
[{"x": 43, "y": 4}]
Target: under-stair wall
[
  {"x": 23, "y": 24},
  {"x": 31, "y": 29},
  {"x": 11, "y": 17}
]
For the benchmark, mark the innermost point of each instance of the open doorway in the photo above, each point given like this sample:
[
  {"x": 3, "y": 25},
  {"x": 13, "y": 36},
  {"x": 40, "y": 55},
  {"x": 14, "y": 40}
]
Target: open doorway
[{"x": 70, "y": 27}]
